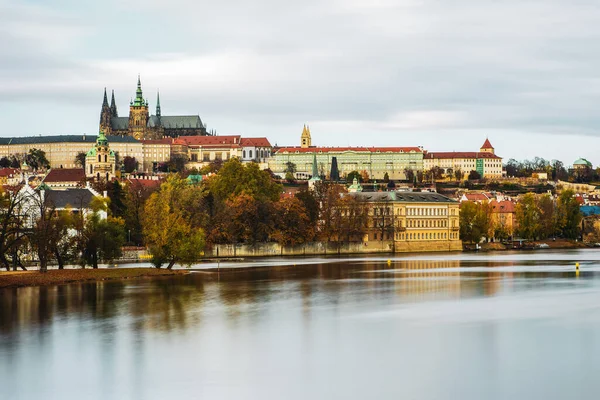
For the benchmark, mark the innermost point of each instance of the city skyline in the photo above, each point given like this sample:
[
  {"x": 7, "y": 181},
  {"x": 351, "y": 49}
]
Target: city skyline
[{"x": 359, "y": 73}]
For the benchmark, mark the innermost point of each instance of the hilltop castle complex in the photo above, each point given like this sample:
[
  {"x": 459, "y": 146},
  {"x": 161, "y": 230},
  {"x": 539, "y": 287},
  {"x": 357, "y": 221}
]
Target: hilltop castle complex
[{"x": 141, "y": 125}]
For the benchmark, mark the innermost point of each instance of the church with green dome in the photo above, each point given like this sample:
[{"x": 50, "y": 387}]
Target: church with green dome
[{"x": 100, "y": 160}]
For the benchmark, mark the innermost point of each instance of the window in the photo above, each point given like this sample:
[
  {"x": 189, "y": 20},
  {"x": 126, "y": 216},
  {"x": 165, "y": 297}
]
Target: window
[
  {"x": 250, "y": 153},
  {"x": 244, "y": 154}
]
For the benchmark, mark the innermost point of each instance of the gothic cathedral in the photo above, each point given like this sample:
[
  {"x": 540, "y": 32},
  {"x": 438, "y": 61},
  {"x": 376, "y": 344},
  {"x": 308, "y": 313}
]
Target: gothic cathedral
[{"x": 141, "y": 125}]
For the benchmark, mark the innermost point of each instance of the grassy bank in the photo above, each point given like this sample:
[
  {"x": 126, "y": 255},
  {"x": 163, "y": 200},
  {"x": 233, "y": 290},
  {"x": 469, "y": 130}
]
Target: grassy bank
[{"x": 57, "y": 277}]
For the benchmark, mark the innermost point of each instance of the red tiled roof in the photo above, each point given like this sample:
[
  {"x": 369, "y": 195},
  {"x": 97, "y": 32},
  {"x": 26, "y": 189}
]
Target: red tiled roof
[
  {"x": 504, "y": 206},
  {"x": 487, "y": 144},
  {"x": 459, "y": 154},
  {"x": 8, "y": 172},
  {"x": 145, "y": 183},
  {"x": 476, "y": 197},
  {"x": 343, "y": 149},
  {"x": 233, "y": 140},
  {"x": 256, "y": 142},
  {"x": 65, "y": 175},
  {"x": 157, "y": 141}
]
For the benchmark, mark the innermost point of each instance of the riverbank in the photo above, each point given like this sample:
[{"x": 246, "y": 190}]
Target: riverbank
[
  {"x": 58, "y": 277},
  {"x": 560, "y": 244}
]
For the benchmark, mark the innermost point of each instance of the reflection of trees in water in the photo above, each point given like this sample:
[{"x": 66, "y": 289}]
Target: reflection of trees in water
[
  {"x": 160, "y": 303},
  {"x": 167, "y": 304},
  {"x": 37, "y": 306}
]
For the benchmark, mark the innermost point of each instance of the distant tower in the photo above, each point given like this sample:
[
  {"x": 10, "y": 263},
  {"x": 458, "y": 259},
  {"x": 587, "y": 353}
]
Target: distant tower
[
  {"x": 305, "y": 138},
  {"x": 105, "y": 116},
  {"x": 487, "y": 147},
  {"x": 113, "y": 106},
  {"x": 158, "y": 105},
  {"x": 138, "y": 114}
]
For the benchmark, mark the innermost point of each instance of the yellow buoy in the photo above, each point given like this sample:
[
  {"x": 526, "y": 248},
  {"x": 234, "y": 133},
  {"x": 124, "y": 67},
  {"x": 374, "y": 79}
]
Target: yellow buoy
[
  {"x": 577, "y": 266},
  {"x": 389, "y": 262}
]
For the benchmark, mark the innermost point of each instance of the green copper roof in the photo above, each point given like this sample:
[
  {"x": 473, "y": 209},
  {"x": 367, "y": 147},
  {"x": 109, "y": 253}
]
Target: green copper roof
[
  {"x": 101, "y": 140},
  {"x": 315, "y": 170},
  {"x": 582, "y": 161}
]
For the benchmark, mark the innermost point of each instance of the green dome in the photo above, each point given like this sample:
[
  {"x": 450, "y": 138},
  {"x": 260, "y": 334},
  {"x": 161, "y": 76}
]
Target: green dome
[{"x": 582, "y": 161}]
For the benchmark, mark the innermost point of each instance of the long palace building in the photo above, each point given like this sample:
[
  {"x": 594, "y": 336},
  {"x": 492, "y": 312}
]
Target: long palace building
[{"x": 377, "y": 161}]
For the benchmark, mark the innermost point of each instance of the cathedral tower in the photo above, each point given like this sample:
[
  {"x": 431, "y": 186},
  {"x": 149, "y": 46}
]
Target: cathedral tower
[
  {"x": 305, "y": 140},
  {"x": 138, "y": 114},
  {"x": 113, "y": 106},
  {"x": 105, "y": 115}
]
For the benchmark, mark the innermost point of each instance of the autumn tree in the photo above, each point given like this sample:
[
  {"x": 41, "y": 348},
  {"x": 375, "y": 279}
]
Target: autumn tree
[
  {"x": 475, "y": 221},
  {"x": 353, "y": 218},
  {"x": 527, "y": 215},
  {"x": 568, "y": 215},
  {"x": 547, "y": 213},
  {"x": 12, "y": 227},
  {"x": 171, "y": 228},
  {"x": 409, "y": 175},
  {"x": 292, "y": 223},
  {"x": 328, "y": 196}
]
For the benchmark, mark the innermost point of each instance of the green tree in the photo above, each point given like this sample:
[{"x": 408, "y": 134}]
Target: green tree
[
  {"x": 386, "y": 177},
  {"x": 474, "y": 175},
  {"x": 36, "y": 159},
  {"x": 354, "y": 175},
  {"x": 569, "y": 215},
  {"x": 130, "y": 164},
  {"x": 80, "y": 159},
  {"x": 4, "y": 162},
  {"x": 527, "y": 215},
  {"x": 458, "y": 175},
  {"x": 171, "y": 228}
]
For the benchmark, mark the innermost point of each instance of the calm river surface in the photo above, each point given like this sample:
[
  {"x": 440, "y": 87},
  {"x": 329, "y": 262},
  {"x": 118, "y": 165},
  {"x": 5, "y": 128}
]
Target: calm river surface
[{"x": 444, "y": 326}]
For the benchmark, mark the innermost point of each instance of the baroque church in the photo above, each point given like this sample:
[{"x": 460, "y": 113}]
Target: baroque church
[{"x": 141, "y": 125}]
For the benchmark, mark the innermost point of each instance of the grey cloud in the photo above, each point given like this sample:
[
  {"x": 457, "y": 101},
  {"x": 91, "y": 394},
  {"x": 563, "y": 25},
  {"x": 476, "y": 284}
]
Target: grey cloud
[{"x": 525, "y": 66}]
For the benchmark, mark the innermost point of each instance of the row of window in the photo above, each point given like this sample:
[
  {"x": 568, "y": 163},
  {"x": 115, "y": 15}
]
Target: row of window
[
  {"x": 428, "y": 223},
  {"x": 428, "y": 211},
  {"x": 415, "y": 236}
]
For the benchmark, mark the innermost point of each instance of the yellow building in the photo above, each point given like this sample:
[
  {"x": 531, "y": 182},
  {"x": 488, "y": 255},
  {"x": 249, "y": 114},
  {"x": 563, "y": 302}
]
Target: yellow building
[
  {"x": 485, "y": 161},
  {"x": 155, "y": 152},
  {"x": 61, "y": 151},
  {"x": 412, "y": 221}
]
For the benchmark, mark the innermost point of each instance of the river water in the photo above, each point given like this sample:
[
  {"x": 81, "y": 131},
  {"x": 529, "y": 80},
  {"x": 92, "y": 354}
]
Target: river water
[{"x": 445, "y": 326}]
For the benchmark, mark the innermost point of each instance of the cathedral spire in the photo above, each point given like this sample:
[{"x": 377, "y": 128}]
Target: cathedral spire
[
  {"x": 105, "y": 102},
  {"x": 139, "y": 99},
  {"x": 113, "y": 105},
  {"x": 158, "y": 104}
]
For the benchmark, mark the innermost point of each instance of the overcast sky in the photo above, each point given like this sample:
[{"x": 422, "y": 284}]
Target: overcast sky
[{"x": 443, "y": 74}]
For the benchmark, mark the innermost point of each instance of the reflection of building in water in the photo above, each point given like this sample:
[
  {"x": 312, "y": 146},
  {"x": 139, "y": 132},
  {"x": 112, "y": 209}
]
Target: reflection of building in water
[{"x": 440, "y": 277}]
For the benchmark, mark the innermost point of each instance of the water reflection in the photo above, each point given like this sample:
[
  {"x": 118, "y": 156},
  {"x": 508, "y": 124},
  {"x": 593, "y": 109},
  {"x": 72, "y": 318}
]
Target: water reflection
[{"x": 352, "y": 328}]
